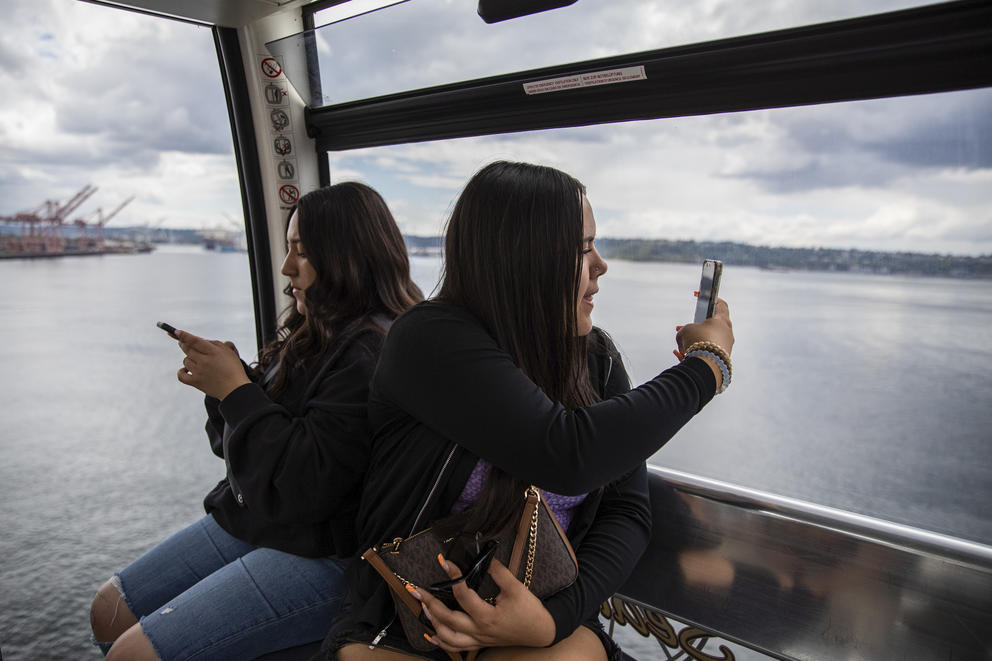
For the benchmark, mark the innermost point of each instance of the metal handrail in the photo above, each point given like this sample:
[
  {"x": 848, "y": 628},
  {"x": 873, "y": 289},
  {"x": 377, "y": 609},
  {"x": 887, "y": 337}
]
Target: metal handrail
[
  {"x": 851, "y": 523},
  {"x": 797, "y": 580}
]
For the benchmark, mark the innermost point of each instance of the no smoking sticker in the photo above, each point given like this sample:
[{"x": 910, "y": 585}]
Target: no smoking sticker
[
  {"x": 289, "y": 194},
  {"x": 271, "y": 68}
]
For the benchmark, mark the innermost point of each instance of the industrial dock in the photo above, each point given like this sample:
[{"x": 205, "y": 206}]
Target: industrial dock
[{"x": 49, "y": 231}]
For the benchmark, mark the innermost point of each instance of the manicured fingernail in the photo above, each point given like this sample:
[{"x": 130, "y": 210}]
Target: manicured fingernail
[
  {"x": 678, "y": 328},
  {"x": 440, "y": 561},
  {"x": 676, "y": 352},
  {"x": 696, "y": 294},
  {"x": 428, "y": 638},
  {"x": 412, "y": 590},
  {"x": 426, "y": 611}
]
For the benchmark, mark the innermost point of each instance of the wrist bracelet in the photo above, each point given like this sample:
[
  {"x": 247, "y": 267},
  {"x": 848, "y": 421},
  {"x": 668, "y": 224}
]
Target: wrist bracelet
[
  {"x": 719, "y": 361},
  {"x": 714, "y": 348}
]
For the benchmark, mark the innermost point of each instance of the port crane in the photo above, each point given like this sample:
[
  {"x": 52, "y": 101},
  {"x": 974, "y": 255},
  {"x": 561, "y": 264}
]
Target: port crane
[
  {"x": 94, "y": 240},
  {"x": 99, "y": 219},
  {"x": 38, "y": 231}
]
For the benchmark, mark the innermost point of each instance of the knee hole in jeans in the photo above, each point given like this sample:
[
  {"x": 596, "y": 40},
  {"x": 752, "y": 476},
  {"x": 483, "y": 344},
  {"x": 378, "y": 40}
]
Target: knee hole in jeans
[{"x": 99, "y": 611}]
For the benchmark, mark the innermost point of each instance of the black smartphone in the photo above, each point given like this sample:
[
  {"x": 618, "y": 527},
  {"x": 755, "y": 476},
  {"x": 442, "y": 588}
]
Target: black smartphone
[
  {"x": 473, "y": 556},
  {"x": 168, "y": 328},
  {"x": 709, "y": 289}
]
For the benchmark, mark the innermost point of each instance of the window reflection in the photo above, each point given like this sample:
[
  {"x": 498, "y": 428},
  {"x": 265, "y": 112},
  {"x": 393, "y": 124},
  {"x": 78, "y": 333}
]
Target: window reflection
[{"x": 844, "y": 393}]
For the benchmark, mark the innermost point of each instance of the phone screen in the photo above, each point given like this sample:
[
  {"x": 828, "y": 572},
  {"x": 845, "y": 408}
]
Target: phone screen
[
  {"x": 168, "y": 328},
  {"x": 709, "y": 289}
]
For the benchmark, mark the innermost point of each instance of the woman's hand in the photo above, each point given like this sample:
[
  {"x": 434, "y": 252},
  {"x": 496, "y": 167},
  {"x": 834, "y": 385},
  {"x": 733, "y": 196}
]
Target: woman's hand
[
  {"x": 516, "y": 617},
  {"x": 717, "y": 329},
  {"x": 210, "y": 366}
]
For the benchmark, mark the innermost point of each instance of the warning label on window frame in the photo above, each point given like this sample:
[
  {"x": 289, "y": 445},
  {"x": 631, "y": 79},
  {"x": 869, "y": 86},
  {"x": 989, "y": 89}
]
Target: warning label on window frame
[{"x": 591, "y": 79}]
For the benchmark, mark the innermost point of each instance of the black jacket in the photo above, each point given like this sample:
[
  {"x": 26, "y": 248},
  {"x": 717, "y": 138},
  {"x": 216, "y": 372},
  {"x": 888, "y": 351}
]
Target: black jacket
[
  {"x": 444, "y": 395},
  {"x": 295, "y": 462}
]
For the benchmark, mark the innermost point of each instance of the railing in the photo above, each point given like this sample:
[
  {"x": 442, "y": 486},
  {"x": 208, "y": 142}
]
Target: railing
[{"x": 795, "y": 580}]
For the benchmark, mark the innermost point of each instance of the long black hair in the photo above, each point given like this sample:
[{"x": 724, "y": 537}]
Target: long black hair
[
  {"x": 357, "y": 251},
  {"x": 513, "y": 258}
]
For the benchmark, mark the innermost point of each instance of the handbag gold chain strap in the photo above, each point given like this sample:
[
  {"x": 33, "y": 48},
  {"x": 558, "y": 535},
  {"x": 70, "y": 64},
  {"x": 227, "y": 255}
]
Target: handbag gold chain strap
[
  {"x": 394, "y": 546},
  {"x": 532, "y": 541}
]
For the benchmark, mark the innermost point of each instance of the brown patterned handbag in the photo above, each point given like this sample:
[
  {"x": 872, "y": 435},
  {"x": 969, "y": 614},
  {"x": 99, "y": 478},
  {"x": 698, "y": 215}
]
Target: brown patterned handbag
[{"x": 536, "y": 551}]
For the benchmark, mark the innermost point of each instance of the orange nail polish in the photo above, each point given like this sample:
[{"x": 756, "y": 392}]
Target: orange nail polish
[
  {"x": 440, "y": 560},
  {"x": 678, "y": 328},
  {"x": 696, "y": 294},
  {"x": 428, "y": 638},
  {"x": 410, "y": 588}
]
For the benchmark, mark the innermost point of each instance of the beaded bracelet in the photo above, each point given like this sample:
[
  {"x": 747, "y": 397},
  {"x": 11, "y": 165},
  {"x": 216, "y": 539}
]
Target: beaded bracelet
[
  {"x": 724, "y": 370},
  {"x": 715, "y": 348},
  {"x": 719, "y": 355}
]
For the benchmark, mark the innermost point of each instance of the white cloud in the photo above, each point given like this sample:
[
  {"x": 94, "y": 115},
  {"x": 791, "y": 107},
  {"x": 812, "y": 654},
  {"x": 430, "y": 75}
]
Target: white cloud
[
  {"x": 101, "y": 96},
  {"x": 736, "y": 177},
  {"x": 134, "y": 105}
]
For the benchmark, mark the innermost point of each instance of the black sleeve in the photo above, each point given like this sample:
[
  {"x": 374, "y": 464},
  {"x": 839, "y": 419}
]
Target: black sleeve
[
  {"x": 608, "y": 552},
  {"x": 446, "y": 371},
  {"x": 215, "y": 425},
  {"x": 215, "y": 421},
  {"x": 297, "y": 468},
  {"x": 620, "y": 532}
]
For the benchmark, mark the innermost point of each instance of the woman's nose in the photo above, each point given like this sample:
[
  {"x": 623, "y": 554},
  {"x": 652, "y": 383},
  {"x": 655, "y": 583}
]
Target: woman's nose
[
  {"x": 287, "y": 268},
  {"x": 601, "y": 267}
]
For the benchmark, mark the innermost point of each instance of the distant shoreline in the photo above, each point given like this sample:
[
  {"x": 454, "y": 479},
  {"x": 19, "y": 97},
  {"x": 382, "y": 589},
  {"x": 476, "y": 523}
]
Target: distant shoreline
[
  {"x": 769, "y": 258},
  {"x": 775, "y": 259}
]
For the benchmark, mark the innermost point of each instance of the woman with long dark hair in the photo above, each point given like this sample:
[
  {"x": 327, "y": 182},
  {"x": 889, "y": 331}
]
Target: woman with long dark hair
[
  {"x": 502, "y": 382},
  {"x": 263, "y": 570}
]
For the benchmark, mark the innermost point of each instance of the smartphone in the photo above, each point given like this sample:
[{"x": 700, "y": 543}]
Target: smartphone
[
  {"x": 168, "y": 328},
  {"x": 709, "y": 289}
]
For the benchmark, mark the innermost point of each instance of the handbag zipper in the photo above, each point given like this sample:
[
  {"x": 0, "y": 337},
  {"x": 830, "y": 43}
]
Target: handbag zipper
[
  {"x": 382, "y": 634},
  {"x": 390, "y": 648},
  {"x": 430, "y": 494},
  {"x": 423, "y": 508}
]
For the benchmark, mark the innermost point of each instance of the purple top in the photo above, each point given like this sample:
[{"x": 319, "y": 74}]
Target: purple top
[{"x": 561, "y": 506}]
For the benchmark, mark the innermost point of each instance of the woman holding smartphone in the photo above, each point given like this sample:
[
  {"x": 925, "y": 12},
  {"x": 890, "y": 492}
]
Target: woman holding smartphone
[
  {"x": 263, "y": 570},
  {"x": 502, "y": 382}
]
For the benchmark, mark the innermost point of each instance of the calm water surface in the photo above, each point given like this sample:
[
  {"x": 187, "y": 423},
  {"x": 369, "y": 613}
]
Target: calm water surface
[{"x": 867, "y": 393}]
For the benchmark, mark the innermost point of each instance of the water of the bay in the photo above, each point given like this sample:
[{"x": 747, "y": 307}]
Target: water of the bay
[{"x": 867, "y": 393}]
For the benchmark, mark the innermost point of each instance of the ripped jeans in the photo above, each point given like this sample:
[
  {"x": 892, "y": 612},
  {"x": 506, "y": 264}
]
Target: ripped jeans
[{"x": 203, "y": 594}]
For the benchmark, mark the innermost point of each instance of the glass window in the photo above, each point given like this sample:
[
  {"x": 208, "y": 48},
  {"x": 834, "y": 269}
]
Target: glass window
[
  {"x": 102, "y": 450},
  {"x": 848, "y": 390},
  {"x": 422, "y": 43}
]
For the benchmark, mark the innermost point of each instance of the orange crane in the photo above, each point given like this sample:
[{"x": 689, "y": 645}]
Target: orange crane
[
  {"x": 41, "y": 227},
  {"x": 102, "y": 220},
  {"x": 40, "y": 231},
  {"x": 94, "y": 241}
]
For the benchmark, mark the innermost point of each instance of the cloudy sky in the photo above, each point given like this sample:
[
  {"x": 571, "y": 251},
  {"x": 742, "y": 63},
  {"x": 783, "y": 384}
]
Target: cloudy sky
[
  {"x": 127, "y": 103},
  {"x": 133, "y": 105}
]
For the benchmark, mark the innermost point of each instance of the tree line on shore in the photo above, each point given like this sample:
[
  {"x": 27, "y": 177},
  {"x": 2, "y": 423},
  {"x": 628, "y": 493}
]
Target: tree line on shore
[
  {"x": 737, "y": 254},
  {"x": 805, "y": 259},
  {"x": 778, "y": 258}
]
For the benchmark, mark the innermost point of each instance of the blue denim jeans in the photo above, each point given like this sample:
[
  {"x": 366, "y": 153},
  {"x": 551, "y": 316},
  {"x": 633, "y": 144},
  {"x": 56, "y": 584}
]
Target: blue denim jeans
[{"x": 203, "y": 594}]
